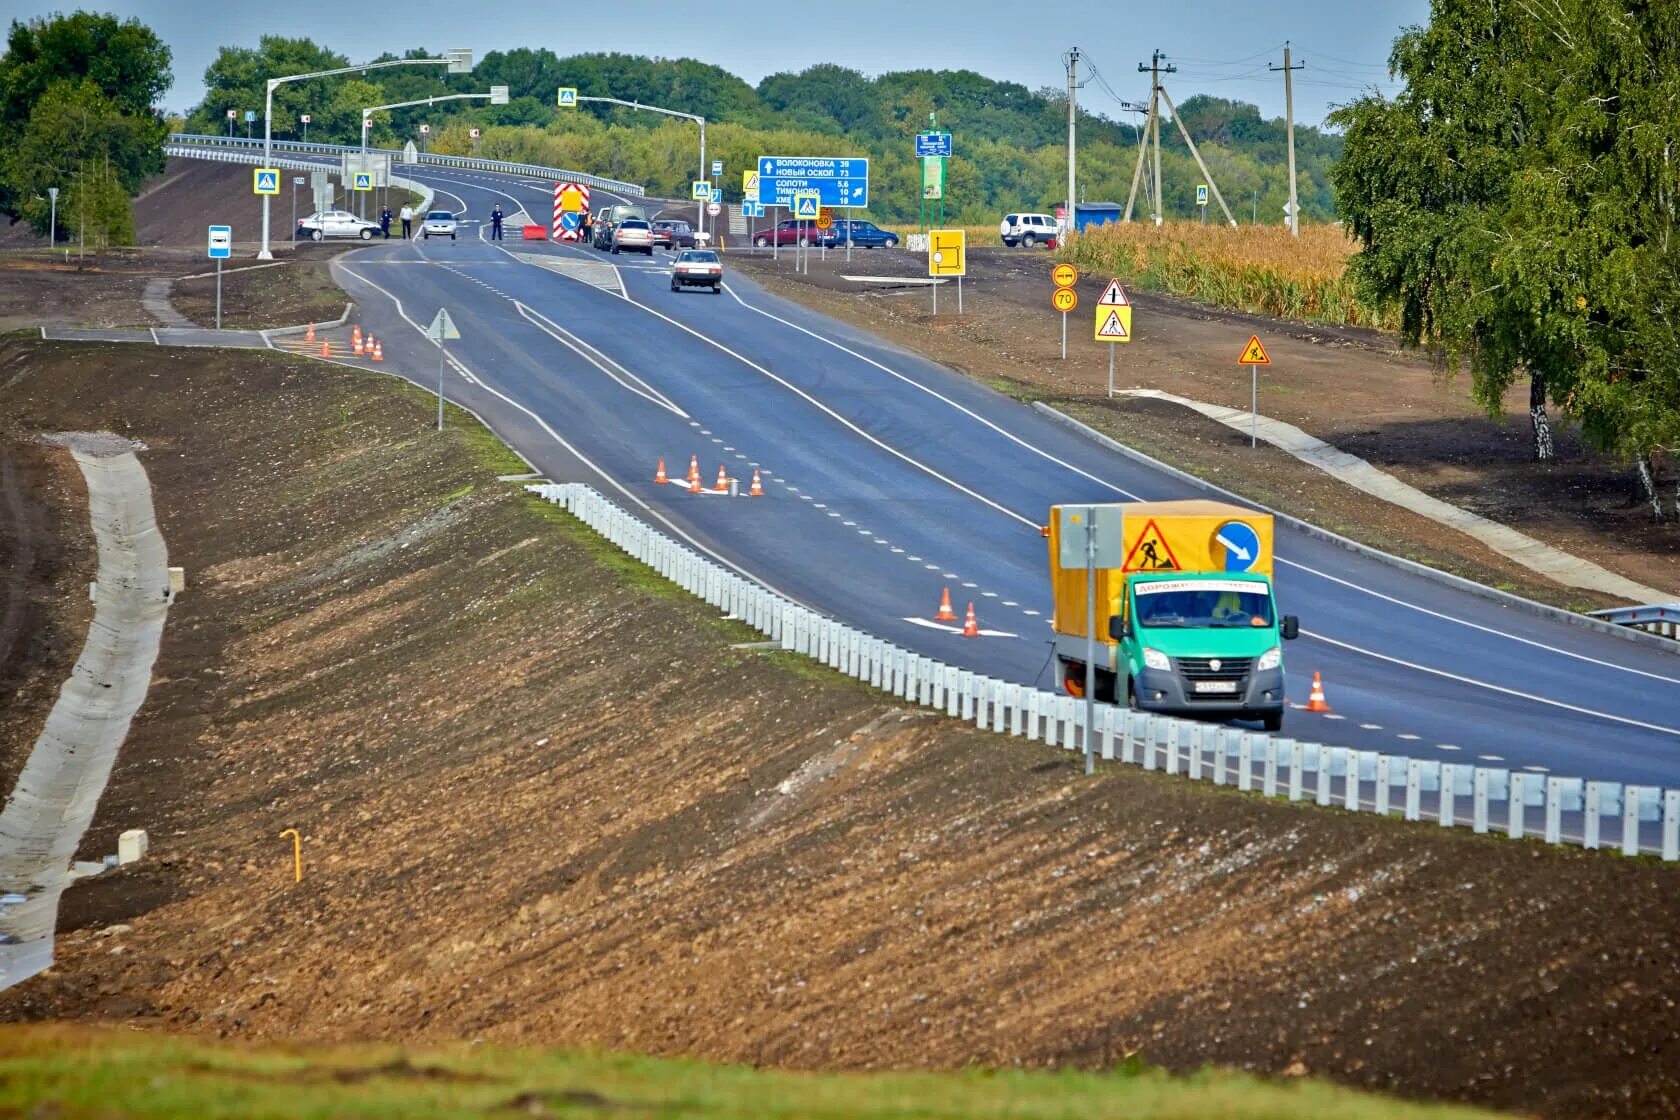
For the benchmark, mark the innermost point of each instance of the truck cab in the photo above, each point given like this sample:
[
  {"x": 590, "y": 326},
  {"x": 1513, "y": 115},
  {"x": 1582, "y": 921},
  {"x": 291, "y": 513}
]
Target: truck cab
[{"x": 1187, "y": 624}]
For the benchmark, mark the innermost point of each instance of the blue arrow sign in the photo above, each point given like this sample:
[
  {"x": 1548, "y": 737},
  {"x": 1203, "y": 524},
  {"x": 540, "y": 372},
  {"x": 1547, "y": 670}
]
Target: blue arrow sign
[
  {"x": 837, "y": 181},
  {"x": 1241, "y": 543},
  {"x": 932, "y": 144}
]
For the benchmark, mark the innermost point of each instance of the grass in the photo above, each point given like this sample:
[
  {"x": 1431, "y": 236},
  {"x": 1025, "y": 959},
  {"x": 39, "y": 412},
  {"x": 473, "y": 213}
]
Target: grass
[
  {"x": 67, "y": 1073},
  {"x": 1251, "y": 268},
  {"x": 979, "y": 237}
]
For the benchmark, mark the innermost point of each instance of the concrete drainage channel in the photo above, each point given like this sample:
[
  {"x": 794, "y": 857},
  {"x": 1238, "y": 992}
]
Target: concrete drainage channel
[
  {"x": 59, "y": 789},
  {"x": 1560, "y": 810}
]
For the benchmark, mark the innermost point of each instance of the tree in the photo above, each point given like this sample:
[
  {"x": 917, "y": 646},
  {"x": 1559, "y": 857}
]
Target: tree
[
  {"x": 74, "y": 127},
  {"x": 237, "y": 79}
]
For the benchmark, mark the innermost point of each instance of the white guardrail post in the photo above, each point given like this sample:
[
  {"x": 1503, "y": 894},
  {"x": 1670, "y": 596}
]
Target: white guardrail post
[{"x": 1196, "y": 750}]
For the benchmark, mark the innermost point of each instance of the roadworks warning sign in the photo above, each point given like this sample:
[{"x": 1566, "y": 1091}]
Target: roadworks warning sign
[
  {"x": 1254, "y": 354},
  {"x": 1151, "y": 552}
]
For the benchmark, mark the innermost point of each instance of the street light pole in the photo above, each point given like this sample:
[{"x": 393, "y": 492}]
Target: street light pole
[
  {"x": 52, "y": 224},
  {"x": 695, "y": 117}
]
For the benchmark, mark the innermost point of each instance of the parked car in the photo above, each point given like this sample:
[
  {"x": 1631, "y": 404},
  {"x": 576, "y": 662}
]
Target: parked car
[
  {"x": 697, "y": 268},
  {"x": 1028, "y": 230},
  {"x": 438, "y": 223},
  {"x": 633, "y": 233},
  {"x": 336, "y": 223},
  {"x": 788, "y": 231},
  {"x": 673, "y": 233},
  {"x": 866, "y": 235}
]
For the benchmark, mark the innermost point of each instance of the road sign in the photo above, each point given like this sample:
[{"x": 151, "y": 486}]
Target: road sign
[
  {"x": 362, "y": 181},
  {"x": 1064, "y": 300},
  {"x": 749, "y": 185},
  {"x": 1113, "y": 295},
  {"x": 425, "y": 130},
  {"x": 932, "y": 144},
  {"x": 567, "y": 98},
  {"x": 571, "y": 202},
  {"x": 1106, "y": 523},
  {"x": 304, "y": 118},
  {"x": 752, "y": 209},
  {"x": 1114, "y": 324},
  {"x": 1254, "y": 354},
  {"x": 233, "y": 114},
  {"x": 498, "y": 95},
  {"x": 716, "y": 195},
  {"x": 443, "y": 327},
  {"x": 714, "y": 208},
  {"x": 411, "y": 154},
  {"x": 1064, "y": 275},
  {"x": 717, "y": 167},
  {"x": 298, "y": 180},
  {"x": 699, "y": 190},
  {"x": 806, "y": 205},
  {"x": 1201, "y": 194},
  {"x": 473, "y": 132},
  {"x": 933, "y": 178},
  {"x": 1241, "y": 544},
  {"x": 250, "y": 116},
  {"x": 947, "y": 252},
  {"x": 825, "y": 220},
  {"x": 265, "y": 180},
  {"x": 838, "y": 181},
  {"x": 1151, "y": 553},
  {"x": 221, "y": 242}
]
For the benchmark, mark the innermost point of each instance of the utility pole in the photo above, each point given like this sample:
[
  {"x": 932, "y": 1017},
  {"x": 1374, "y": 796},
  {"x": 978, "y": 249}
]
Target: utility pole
[
  {"x": 1289, "y": 117},
  {"x": 1073, "y": 89},
  {"x": 1151, "y": 133}
]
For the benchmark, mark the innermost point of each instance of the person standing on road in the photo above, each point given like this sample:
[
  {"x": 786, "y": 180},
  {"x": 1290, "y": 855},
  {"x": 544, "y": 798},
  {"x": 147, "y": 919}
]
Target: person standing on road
[
  {"x": 385, "y": 222},
  {"x": 588, "y": 227},
  {"x": 496, "y": 223},
  {"x": 408, "y": 221}
]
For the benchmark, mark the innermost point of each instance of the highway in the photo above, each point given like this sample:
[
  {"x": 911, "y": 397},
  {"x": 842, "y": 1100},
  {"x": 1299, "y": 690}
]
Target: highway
[{"x": 889, "y": 478}]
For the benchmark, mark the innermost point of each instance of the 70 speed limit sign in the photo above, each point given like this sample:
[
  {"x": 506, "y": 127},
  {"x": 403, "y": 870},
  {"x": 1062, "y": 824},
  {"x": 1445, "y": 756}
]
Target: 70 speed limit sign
[{"x": 1064, "y": 300}]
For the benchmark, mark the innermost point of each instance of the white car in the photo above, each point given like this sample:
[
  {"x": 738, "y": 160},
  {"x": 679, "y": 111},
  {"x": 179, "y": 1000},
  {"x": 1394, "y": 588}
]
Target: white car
[
  {"x": 697, "y": 268},
  {"x": 1028, "y": 230},
  {"x": 438, "y": 223},
  {"x": 336, "y": 223}
]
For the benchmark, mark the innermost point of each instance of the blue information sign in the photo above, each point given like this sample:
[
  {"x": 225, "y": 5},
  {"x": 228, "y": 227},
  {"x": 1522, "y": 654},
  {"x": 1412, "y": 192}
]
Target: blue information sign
[
  {"x": 752, "y": 209},
  {"x": 838, "y": 182},
  {"x": 932, "y": 144},
  {"x": 221, "y": 242},
  {"x": 1241, "y": 544}
]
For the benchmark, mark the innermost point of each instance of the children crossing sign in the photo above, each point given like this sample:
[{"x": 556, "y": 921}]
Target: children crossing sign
[{"x": 266, "y": 180}]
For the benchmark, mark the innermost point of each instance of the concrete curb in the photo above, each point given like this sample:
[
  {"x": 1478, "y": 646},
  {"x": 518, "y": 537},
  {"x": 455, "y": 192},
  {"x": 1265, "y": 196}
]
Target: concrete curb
[
  {"x": 338, "y": 322},
  {"x": 1503, "y": 598}
]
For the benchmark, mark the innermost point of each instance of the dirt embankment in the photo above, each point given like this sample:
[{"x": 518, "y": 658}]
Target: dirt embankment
[{"x": 544, "y": 800}]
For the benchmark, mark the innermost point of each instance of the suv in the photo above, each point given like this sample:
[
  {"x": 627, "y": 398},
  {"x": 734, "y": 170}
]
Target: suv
[{"x": 1029, "y": 230}]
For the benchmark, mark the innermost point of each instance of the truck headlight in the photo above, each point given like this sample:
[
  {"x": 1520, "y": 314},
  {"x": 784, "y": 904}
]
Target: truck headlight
[
  {"x": 1271, "y": 659},
  {"x": 1155, "y": 659}
]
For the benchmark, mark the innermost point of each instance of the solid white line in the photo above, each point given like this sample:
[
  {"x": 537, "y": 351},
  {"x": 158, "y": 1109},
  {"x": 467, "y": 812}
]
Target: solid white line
[
  {"x": 1136, "y": 498},
  {"x": 1473, "y": 682},
  {"x": 565, "y": 338}
]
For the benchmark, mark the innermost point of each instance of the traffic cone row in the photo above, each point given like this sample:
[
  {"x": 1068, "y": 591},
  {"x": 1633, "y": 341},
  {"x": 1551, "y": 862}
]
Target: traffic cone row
[
  {"x": 1316, "y": 701},
  {"x": 720, "y": 487}
]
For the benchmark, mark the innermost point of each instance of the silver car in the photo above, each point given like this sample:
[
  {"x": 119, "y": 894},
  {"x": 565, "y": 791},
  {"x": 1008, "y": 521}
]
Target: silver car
[
  {"x": 336, "y": 223},
  {"x": 633, "y": 234},
  {"x": 438, "y": 223},
  {"x": 697, "y": 268}
]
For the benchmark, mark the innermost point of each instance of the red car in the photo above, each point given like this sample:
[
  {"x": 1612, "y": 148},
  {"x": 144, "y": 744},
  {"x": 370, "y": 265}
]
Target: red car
[
  {"x": 789, "y": 231},
  {"x": 673, "y": 233}
]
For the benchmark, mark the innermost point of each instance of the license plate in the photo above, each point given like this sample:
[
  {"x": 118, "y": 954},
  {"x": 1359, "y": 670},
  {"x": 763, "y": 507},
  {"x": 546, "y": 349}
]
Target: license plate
[{"x": 1216, "y": 686}]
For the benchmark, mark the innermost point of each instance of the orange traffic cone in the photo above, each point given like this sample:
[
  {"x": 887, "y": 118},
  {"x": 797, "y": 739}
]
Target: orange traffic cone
[
  {"x": 356, "y": 344},
  {"x": 757, "y": 490},
  {"x": 694, "y": 468},
  {"x": 946, "y": 614},
  {"x": 378, "y": 351},
  {"x": 722, "y": 486},
  {"x": 659, "y": 475},
  {"x": 356, "y": 335},
  {"x": 694, "y": 486},
  {"x": 326, "y": 349},
  {"x": 309, "y": 335},
  {"x": 971, "y": 625},
  {"x": 1316, "y": 701}
]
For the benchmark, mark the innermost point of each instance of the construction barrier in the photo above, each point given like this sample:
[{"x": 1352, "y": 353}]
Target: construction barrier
[
  {"x": 535, "y": 233},
  {"x": 1514, "y": 803}
]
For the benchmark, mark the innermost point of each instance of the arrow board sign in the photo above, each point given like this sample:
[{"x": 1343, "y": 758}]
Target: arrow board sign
[
  {"x": 1114, "y": 295},
  {"x": 443, "y": 327}
]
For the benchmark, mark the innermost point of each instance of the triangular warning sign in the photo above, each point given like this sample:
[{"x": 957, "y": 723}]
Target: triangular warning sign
[
  {"x": 1114, "y": 296},
  {"x": 1151, "y": 553},
  {"x": 1254, "y": 354},
  {"x": 1113, "y": 328}
]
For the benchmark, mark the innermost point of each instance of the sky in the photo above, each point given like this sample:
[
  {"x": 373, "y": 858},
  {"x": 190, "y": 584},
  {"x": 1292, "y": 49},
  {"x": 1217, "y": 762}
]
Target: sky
[{"x": 1221, "y": 47}]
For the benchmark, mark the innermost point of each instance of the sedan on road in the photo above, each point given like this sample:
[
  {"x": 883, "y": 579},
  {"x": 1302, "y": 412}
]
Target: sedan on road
[
  {"x": 336, "y": 223},
  {"x": 438, "y": 223},
  {"x": 788, "y": 231},
  {"x": 697, "y": 268},
  {"x": 673, "y": 233},
  {"x": 865, "y": 235},
  {"x": 633, "y": 234}
]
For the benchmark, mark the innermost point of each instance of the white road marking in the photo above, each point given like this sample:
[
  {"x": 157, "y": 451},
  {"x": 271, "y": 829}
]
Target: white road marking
[
  {"x": 1491, "y": 757},
  {"x": 1539, "y": 769},
  {"x": 1448, "y": 747},
  {"x": 958, "y": 629},
  {"x": 1409, "y": 738},
  {"x": 604, "y": 363},
  {"x": 1370, "y": 727}
]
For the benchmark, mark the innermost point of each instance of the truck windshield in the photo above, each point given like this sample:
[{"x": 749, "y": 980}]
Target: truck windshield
[{"x": 1203, "y": 604}]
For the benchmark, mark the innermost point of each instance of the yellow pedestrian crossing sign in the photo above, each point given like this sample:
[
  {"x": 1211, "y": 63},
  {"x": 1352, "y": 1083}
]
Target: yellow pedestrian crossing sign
[
  {"x": 807, "y": 204},
  {"x": 363, "y": 181},
  {"x": 266, "y": 180},
  {"x": 1114, "y": 324},
  {"x": 568, "y": 97},
  {"x": 700, "y": 190}
]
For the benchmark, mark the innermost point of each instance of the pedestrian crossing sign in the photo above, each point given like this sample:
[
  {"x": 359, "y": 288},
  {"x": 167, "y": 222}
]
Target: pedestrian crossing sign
[
  {"x": 1114, "y": 324},
  {"x": 363, "y": 181},
  {"x": 700, "y": 190},
  {"x": 807, "y": 204},
  {"x": 568, "y": 97},
  {"x": 267, "y": 180}
]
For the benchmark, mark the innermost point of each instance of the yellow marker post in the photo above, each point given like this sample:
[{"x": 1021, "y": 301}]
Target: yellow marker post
[{"x": 297, "y": 853}]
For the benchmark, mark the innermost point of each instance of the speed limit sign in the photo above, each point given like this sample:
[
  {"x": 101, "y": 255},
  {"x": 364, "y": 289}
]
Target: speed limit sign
[{"x": 1064, "y": 300}]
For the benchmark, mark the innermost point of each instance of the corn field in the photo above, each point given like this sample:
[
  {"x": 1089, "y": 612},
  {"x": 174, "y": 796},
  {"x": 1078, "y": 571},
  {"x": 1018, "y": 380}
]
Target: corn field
[{"x": 1252, "y": 268}]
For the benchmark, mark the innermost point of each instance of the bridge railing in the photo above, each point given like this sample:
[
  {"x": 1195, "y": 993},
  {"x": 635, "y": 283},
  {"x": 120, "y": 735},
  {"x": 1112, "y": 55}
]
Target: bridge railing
[
  {"x": 1515, "y": 803},
  {"x": 192, "y": 144}
]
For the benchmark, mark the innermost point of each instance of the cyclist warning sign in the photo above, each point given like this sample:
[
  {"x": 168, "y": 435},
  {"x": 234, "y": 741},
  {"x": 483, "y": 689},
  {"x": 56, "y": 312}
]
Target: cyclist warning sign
[
  {"x": 1151, "y": 552},
  {"x": 1254, "y": 354}
]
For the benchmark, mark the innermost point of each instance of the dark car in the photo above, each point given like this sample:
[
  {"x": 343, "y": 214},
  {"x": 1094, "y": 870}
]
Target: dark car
[
  {"x": 673, "y": 233},
  {"x": 788, "y": 231},
  {"x": 865, "y": 235}
]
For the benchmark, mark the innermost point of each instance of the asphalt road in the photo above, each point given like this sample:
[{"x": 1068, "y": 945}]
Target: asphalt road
[{"x": 890, "y": 478}]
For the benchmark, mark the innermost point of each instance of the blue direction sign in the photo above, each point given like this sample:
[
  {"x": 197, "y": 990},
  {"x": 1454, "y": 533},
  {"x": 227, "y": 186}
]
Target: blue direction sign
[
  {"x": 752, "y": 209},
  {"x": 838, "y": 182},
  {"x": 717, "y": 194},
  {"x": 932, "y": 144},
  {"x": 1241, "y": 544}
]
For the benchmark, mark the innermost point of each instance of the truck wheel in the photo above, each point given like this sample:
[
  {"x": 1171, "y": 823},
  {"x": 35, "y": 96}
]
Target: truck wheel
[{"x": 1272, "y": 721}]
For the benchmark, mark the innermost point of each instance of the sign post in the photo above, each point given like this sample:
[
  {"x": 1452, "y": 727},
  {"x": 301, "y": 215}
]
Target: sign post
[
  {"x": 1119, "y": 329},
  {"x": 1091, "y": 537},
  {"x": 1064, "y": 298},
  {"x": 221, "y": 248},
  {"x": 807, "y": 207},
  {"x": 1254, "y": 356},
  {"x": 443, "y": 327}
]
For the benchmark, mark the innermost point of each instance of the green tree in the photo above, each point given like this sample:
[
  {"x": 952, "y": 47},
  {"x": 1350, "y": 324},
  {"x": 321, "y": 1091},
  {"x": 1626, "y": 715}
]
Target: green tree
[
  {"x": 74, "y": 127},
  {"x": 237, "y": 79}
]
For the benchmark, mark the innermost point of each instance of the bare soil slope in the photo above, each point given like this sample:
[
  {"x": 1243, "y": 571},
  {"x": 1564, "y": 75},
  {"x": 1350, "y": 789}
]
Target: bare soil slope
[{"x": 544, "y": 799}]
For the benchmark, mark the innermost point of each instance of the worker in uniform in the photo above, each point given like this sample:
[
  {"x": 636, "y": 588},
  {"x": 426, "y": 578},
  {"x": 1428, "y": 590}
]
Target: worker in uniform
[{"x": 496, "y": 223}]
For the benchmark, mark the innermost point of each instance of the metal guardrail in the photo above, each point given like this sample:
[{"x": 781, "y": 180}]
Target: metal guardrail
[
  {"x": 182, "y": 140},
  {"x": 1660, "y": 619},
  {"x": 1572, "y": 811}
]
